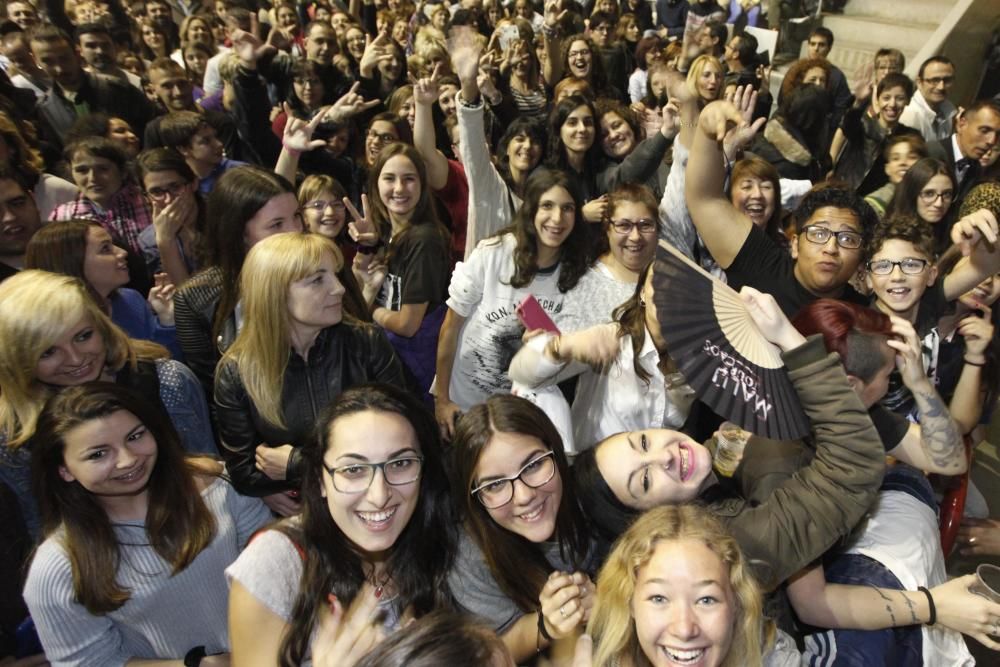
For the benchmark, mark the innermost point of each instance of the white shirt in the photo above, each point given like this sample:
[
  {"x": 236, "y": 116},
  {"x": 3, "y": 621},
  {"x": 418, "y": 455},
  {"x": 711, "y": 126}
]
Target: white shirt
[{"x": 933, "y": 124}]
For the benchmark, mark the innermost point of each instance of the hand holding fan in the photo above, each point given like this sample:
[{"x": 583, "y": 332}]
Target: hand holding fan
[{"x": 724, "y": 356}]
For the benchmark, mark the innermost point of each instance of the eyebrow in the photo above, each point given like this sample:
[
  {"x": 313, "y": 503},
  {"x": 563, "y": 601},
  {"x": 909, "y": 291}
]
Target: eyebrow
[
  {"x": 361, "y": 457},
  {"x": 100, "y": 445},
  {"x": 697, "y": 584},
  {"x": 525, "y": 461},
  {"x": 631, "y": 477}
]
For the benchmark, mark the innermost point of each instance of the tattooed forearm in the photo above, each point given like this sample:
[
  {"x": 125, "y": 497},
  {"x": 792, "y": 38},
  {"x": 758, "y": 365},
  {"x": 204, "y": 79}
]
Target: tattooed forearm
[
  {"x": 939, "y": 434},
  {"x": 888, "y": 605},
  {"x": 913, "y": 611}
]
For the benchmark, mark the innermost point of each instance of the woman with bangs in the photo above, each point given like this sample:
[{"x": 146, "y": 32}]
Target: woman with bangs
[
  {"x": 137, "y": 536},
  {"x": 295, "y": 353},
  {"x": 525, "y": 557},
  {"x": 521, "y": 78},
  {"x": 705, "y": 79},
  {"x": 648, "y": 51},
  {"x": 305, "y": 95},
  {"x": 646, "y": 140},
  {"x": 927, "y": 192},
  {"x": 901, "y": 152},
  {"x": 544, "y": 254},
  {"x": 66, "y": 342},
  {"x": 581, "y": 58},
  {"x": 610, "y": 339},
  {"x": 677, "y": 588},
  {"x": 496, "y": 187},
  {"x": 376, "y": 532},
  {"x": 755, "y": 190}
]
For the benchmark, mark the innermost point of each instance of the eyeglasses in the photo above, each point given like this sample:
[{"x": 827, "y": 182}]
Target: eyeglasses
[
  {"x": 357, "y": 477},
  {"x": 911, "y": 266},
  {"x": 535, "y": 473},
  {"x": 383, "y": 138},
  {"x": 579, "y": 54},
  {"x": 820, "y": 235},
  {"x": 320, "y": 205},
  {"x": 625, "y": 227},
  {"x": 930, "y": 196},
  {"x": 309, "y": 82},
  {"x": 939, "y": 80},
  {"x": 171, "y": 189}
]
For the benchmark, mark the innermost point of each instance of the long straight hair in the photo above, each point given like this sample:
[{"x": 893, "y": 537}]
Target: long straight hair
[
  {"x": 237, "y": 197},
  {"x": 261, "y": 349},
  {"x": 61, "y": 247},
  {"x": 631, "y": 318},
  {"x": 904, "y": 203},
  {"x": 178, "y": 523},
  {"x": 420, "y": 558},
  {"x": 517, "y": 565},
  {"x": 573, "y": 256},
  {"x": 28, "y": 330}
]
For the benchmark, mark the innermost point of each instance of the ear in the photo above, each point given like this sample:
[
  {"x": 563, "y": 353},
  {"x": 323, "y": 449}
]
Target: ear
[
  {"x": 856, "y": 383},
  {"x": 868, "y": 280},
  {"x": 932, "y": 275},
  {"x": 795, "y": 246},
  {"x": 65, "y": 474}
]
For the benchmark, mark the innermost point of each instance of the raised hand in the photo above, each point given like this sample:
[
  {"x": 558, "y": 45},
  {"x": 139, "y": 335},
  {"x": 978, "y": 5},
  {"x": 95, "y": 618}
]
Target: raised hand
[
  {"x": 245, "y": 45},
  {"x": 718, "y": 118},
  {"x": 739, "y": 137},
  {"x": 976, "y": 226},
  {"x": 343, "y": 638},
  {"x": 597, "y": 346},
  {"x": 377, "y": 50},
  {"x": 426, "y": 89},
  {"x": 161, "y": 299},
  {"x": 298, "y": 133},
  {"x": 772, "y": 323},
  {"x": 465, "y": 53},
  {"x": 362, "y": 229},
  {"x": 350, "y": 104},
  {"x": 909, "y": 356},
  {"x": 553, "y": 15},
  {"x": 978, "y": 333}
]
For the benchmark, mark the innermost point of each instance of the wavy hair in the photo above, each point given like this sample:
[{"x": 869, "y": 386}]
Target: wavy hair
[
  {"x": 419, "y": 560},
  {"x": 612, "y": 624},
  {"x": 519, "y": 566},
  {"x": 20, "y": 154},
  {"x": 28, "y": 330},
  {"x": 574, "y": 253},
  {"x": 260, "y": 350},
  {"x": 178, "y": 523}
]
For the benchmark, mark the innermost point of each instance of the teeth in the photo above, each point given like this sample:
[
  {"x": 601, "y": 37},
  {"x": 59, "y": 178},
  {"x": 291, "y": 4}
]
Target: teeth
[
  {"x": 377, "y": 517},
  {"x": 130, "y": 476},
  {"x": 685, "y": 657},
  {"x": 534, "y": 514},
  {"x": 684, "y": 462},
  {"x": 899, "y": 290}
]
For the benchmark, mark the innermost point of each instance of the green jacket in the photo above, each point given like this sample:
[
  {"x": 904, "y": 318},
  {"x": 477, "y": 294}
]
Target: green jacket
[{"x": 794, "y": 500}]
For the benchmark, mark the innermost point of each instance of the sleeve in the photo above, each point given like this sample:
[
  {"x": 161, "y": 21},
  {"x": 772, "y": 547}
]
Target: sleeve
[
  {"x": 270, "y": 569},
  {"x": 891, "y": 427},
  {"x": 185, "y": 402},
  {"x": 249, "y": 514},
  {"x": 531, "y": 368},
  {"x": 477, "y": 592},
  {"x": 147, "y": 244},
  {"x": 165, "y": 335},
  {"x": 468, "y": 281},
  {"x": 425, "y": 267},
  {"x": 252, "y": 110},
  {"x": 239, "y": 437},
  {"x": 639, "y": 166},
  {"x": 759, "y": 262},
  {"x": 678, "y": 228},
  {"x": 817, "y": 505},
  {"x": 70, "y": 635},
  {"x": 490, "y": 208},
  {"x": 194, "y": 333}
]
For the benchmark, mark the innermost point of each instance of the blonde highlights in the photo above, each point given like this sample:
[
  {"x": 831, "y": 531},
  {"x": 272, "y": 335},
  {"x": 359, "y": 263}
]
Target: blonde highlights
[
  {"x": 611, "y": 623},
  {"x": 261, "y": 349},
  {"x": 36, "y": 309}
]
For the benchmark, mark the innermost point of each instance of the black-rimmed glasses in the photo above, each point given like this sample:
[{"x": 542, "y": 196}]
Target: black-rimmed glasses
[
  {"x": 820, "y": 235},
  {"x": 357, "y": 477},
  {"x": 535, "y": 473},
  {"x": 911, "y": 266}
]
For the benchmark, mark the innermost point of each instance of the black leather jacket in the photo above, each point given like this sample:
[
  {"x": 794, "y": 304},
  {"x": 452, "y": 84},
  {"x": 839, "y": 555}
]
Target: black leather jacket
[{"x": 343, "y": 356}]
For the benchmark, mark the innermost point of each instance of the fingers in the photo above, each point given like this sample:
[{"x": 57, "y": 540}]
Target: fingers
[{"x": 349, "y": 205}]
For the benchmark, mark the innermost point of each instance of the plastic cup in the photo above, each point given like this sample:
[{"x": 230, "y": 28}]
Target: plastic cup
[{"x": 987, "y": 583}]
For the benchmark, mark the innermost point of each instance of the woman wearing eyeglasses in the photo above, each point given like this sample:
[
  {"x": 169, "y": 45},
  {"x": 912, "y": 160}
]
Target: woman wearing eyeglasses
[
  {"x": 294, "y": 354},
  {"x": 526, "y": 555},
  {"x": 926, "y": 192},
  {"x": 175, "y": 242},
  {"x": 376, "y": 520}
]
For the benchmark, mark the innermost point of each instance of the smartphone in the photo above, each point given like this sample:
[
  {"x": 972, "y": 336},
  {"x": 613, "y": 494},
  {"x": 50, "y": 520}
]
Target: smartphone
[
  {"x": 533, "y": 316},
  {"x": 508, "y": 34}
]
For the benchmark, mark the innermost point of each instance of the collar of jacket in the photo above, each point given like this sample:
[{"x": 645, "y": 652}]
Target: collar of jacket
[
  {"x": 786, "y": 144},
  {"x": 319, "y": 349}
]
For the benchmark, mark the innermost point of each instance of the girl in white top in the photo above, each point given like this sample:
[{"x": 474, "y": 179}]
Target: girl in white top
[{"x": 543, "y": 253}]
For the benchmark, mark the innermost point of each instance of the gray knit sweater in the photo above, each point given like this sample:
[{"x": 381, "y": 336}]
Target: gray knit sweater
[{"x": 166, "y": 616}]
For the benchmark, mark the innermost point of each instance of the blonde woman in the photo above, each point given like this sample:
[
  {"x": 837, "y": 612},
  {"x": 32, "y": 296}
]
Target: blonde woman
[
  {"x": 295, "y": 354},
  {"x": 55, "y": 335},
  {"x": 676, "y": 587}
]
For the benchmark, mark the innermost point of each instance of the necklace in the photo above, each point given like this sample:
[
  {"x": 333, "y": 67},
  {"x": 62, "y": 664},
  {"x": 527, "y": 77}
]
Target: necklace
[{"x": 379, "y": 587}]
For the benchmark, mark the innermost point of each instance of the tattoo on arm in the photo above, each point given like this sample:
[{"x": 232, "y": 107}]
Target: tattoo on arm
[
  {"x": 913, "y": 612},
  {"x": 938, "y": 432},
  {"x": 888, "y": 605}
]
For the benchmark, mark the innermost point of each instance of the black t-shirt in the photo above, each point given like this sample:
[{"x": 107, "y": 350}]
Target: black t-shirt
[
  {"x": 766, "y": 266},
  {"x": 891, "y": 427},
  {"x": 419, "y": 268}
]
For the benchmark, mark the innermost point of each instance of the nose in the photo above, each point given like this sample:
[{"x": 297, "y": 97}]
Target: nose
[
  {"x": 378, "y": 491},
  {"x": 126, "y": 458},
  {"x": 338, "y": 288},
  {"x": 831, "y": 245},
  {"x": 634, "y": 234},
  {"x": 523, "y": 494},
  {"x": 121, "y": 253},
  {"x": 74, "y": 356},
  {"x": 681, "y": 622}
]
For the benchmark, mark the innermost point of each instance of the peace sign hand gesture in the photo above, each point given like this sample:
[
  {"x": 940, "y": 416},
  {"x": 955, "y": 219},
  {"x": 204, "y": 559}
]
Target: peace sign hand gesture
[{"x": 362, "y": 229}]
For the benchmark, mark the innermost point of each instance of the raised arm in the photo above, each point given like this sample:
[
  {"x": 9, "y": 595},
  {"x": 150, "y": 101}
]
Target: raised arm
[
  {"x": 425, "y": 94},
  {"x": 977, "y": 235},
  {"x": 967, "y": 401},
  {"x": 723, "y": 228},
  {"x": 552, "y": 44}
]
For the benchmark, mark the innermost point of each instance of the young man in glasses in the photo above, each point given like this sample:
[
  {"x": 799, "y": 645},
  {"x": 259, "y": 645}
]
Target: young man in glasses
[
  {"x": 831, "y": 226},
  {"x": 930, "y": 111}
]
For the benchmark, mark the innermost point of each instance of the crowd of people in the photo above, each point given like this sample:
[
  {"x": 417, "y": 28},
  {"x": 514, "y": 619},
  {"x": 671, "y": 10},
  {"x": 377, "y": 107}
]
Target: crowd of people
[{"x": 331, "y": 336}]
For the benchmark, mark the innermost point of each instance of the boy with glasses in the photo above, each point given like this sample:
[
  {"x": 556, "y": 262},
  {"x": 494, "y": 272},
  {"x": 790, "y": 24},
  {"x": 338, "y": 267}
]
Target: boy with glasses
[{"x": 904, "y": 283}]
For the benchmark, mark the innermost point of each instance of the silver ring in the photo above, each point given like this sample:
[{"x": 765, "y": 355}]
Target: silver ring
[
  {"x": 562, "y": 610},
  {"x": 996, "y": 629}
]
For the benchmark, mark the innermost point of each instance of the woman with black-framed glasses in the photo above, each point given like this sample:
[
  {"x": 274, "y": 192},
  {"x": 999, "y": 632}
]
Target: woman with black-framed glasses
[
  {"x": 525, "y": 557},
  {"x": 376, "y": 521}
]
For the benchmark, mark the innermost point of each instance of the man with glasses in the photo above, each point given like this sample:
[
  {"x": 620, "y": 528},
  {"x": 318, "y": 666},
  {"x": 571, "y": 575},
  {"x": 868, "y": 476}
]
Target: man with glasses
[
  {"x": 831, "y": 226},
  {"x": 930, "y": 111},
  {"x": 199, "y": 143}
]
